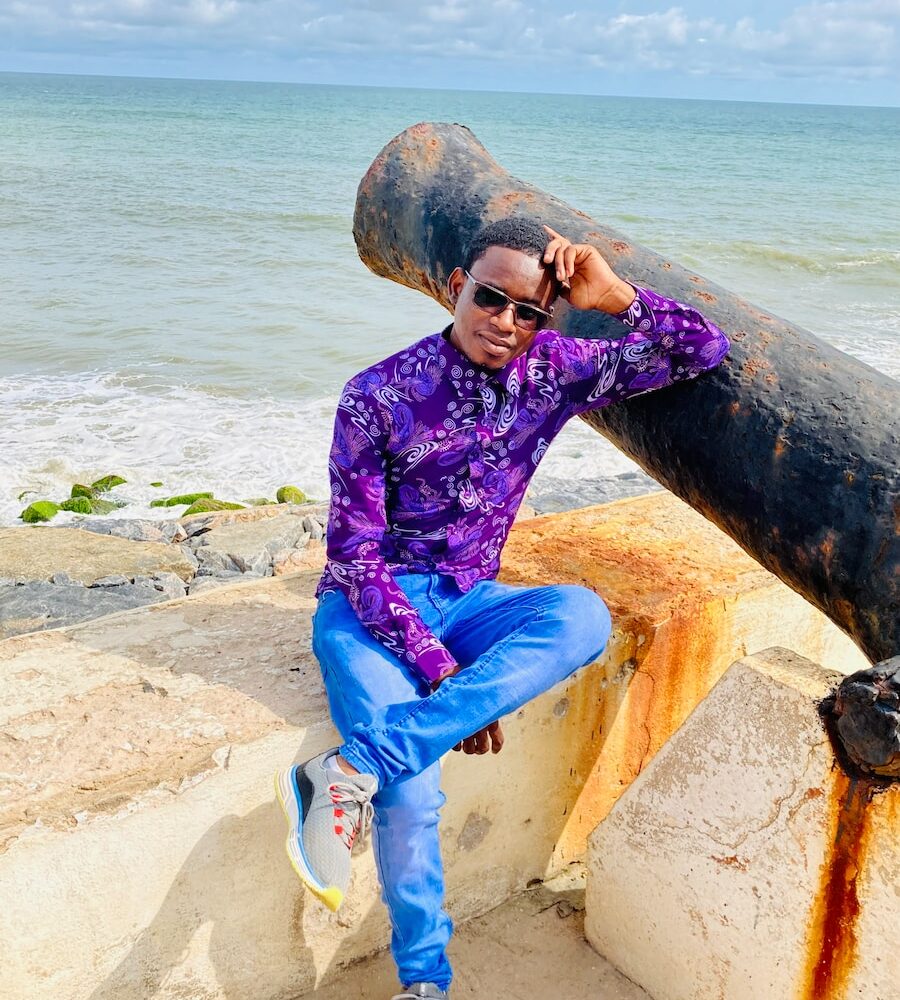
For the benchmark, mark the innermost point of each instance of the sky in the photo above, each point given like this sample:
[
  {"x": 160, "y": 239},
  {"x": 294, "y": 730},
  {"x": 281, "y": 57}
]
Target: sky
[{"x": 835, "y": 52}]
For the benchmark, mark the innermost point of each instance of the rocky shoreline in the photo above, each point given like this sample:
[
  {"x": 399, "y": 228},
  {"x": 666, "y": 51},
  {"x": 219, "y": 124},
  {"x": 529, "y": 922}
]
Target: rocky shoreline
[{"x": 56, "y": 576}]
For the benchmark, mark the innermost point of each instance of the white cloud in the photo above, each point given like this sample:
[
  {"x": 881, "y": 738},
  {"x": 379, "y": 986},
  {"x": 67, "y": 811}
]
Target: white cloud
[
  {"x": 848, "y": 39},
  {"x": 852, "y": 39}
]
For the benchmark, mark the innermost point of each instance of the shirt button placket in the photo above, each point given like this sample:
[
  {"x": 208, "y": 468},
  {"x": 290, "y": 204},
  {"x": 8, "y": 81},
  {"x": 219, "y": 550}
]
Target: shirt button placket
[{"x": 482, "y": 436}]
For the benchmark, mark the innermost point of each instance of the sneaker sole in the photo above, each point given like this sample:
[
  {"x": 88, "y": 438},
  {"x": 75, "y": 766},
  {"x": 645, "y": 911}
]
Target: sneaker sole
[{"x": 331, "y": 896}]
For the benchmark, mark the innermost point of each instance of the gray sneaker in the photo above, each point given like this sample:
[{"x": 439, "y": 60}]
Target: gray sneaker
[
  {"x": 418, "y": 991},
  {"x": 327, "y": 813}
]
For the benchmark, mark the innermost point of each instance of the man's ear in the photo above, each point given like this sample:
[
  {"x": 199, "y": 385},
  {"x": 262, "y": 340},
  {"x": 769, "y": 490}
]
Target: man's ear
[{"x": 455, "y": 284}]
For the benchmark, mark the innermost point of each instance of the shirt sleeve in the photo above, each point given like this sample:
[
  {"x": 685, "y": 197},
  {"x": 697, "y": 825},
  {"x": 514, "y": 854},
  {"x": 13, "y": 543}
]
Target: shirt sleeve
[
  {"x": 356, "y": 526},
  {"x": 666, "y": 342}
]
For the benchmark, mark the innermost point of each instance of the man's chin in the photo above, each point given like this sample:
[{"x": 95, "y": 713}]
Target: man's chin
[{"x": 492, "y": 359}]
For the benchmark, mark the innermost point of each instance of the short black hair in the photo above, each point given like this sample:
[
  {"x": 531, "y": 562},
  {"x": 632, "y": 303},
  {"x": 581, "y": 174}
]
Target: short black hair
[{"x": 514, "y": 233}]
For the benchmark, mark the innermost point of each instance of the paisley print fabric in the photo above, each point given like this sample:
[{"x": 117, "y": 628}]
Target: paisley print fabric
[{"x": 432, "y": 454}]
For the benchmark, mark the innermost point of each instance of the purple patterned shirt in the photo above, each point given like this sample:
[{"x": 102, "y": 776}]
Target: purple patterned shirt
[{"x": 432, "y": 454}]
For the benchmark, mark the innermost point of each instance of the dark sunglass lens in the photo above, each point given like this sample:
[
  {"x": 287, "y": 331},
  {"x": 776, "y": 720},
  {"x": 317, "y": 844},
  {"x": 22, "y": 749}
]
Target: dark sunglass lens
[
  {"x": 528, "y": 316},
  {"x": 489, "y": 298}
]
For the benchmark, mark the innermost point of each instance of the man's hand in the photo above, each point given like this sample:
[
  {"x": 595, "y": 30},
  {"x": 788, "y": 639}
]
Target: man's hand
[
  {"x": 586, "y": 280},
  {"x": 489, "y": 738},
  {"x": 450, "y": 673}
]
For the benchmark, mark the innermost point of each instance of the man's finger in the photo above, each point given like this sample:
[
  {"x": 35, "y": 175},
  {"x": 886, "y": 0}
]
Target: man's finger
[
  {"x": 469, "y": 744},
  {"x": 569, "y": 256},
  {"x": 458, "y": 747},
  {"x": 553, "y": 233},
  {"x": 482, "y": 741},
  {"x": 496, "y": 738},
  {"x": 553, "y": 248}
]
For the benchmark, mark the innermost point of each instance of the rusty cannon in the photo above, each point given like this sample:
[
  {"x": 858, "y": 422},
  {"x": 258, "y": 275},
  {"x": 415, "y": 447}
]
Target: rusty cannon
[{"x": 790, "y": 446}]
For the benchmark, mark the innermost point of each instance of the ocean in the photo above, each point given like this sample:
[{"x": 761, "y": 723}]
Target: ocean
[{"x": 181, "y": 294}]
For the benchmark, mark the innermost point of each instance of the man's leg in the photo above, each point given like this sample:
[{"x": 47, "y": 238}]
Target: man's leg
[
  {"x": 514, "y": 643},
  {"x": 361, "y": 679}
]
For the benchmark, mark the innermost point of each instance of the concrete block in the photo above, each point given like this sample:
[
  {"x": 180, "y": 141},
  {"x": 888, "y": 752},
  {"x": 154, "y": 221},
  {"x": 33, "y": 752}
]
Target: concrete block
[
  {"x": 686, "y": 601},
  {"x": 743, "y": 863}
]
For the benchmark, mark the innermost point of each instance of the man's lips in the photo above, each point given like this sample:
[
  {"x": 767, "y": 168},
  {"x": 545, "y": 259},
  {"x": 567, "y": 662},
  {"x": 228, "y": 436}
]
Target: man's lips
[{"x": 494, "y": 347}]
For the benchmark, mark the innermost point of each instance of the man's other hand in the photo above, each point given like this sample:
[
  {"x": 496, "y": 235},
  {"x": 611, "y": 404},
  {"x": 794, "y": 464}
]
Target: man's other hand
[
  {"x": 489, "y": 738},
  {"x": 586, "y": 281}
]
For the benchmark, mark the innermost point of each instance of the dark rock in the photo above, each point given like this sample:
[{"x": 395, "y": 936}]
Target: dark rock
[
  {"x": 864, "y": 716},
  {"x": 38, "y": 605}
]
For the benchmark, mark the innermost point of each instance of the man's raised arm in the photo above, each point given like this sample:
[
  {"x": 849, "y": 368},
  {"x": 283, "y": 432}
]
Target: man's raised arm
[{"x": 666, "y": 341}]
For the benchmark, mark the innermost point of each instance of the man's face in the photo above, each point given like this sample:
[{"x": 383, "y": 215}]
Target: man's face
[{"x": 494, "y": 340}]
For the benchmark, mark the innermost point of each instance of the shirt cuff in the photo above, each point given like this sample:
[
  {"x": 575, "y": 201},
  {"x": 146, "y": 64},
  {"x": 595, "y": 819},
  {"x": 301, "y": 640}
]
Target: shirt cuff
[
  {"x": 639, "y": 315},
  {"x": 433, "y": 664}
]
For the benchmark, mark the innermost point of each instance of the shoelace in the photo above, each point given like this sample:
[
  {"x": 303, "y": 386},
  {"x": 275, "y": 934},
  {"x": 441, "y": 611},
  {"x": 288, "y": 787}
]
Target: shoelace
[{"x": 344, "y": 792}]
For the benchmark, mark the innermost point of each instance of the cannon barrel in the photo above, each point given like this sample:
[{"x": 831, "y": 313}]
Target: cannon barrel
[{"x": 790, "y": 445}]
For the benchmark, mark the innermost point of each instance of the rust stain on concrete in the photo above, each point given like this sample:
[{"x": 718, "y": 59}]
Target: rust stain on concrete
[
  {"x": 832, "y": 939},
  {"x": 669, "y": 606}
]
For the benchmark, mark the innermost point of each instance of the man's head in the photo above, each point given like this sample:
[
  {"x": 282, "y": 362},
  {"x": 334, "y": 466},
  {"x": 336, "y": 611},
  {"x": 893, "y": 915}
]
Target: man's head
[{"x": 505, "y": 257}]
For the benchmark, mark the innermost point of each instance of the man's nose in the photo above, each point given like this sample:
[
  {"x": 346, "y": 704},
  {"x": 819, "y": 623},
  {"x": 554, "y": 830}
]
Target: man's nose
[{"x": 505, "y": 320}]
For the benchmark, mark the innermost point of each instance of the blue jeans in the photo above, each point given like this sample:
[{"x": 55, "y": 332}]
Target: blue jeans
[{"x": 514, "y": 642}]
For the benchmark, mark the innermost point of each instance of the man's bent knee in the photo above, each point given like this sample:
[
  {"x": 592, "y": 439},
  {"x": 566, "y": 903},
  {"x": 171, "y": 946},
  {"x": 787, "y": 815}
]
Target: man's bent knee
[{"x": 587, "y": 622}]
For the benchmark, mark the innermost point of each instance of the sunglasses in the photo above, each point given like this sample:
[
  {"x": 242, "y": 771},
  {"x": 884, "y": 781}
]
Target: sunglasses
[{"x": 493, "y": 301}]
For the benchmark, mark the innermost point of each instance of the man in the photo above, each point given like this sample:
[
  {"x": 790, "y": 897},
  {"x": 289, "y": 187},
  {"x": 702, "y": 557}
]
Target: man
[{"x": 421, "y": 649}]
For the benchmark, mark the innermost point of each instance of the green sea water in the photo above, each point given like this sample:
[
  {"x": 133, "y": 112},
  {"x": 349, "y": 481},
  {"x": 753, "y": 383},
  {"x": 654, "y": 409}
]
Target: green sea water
[{"x": 182, "y": 298}]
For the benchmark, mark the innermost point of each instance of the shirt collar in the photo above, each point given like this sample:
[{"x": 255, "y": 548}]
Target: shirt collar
[{"x": 510, "y": 377}]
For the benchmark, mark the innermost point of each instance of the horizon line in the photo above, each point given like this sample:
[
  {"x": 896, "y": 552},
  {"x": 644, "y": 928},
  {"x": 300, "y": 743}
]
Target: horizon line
[{"x": 451, "y": 90}]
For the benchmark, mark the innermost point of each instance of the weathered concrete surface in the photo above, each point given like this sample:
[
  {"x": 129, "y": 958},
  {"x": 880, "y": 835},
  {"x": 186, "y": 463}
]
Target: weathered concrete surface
[
  {"x": 685, "y": 601},
  {"x": 530, "y": 948},
  {"x": 786, "y": 419},
  {"x": 742, "y": 863},
  {"x": 36, "y": 553},
  {"x": 142, "y": 850}
]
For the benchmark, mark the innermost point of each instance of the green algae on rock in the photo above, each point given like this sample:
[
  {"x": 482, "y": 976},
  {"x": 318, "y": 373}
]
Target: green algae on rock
[
  {"x": 206, "y": 505},
  {"x": 107, "y": 483},
  {"x": 40, "y": 510},
  {"x": 80, "y": 490},
  {"x": 99, "y": 506},
  {"x": 291, "y": 494},
  {"x": 156, "y": 484},
  {"x": 187, "y": 498},
  {"x": 77, "y": 504},
  {"x": 260, "y": 502}
]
